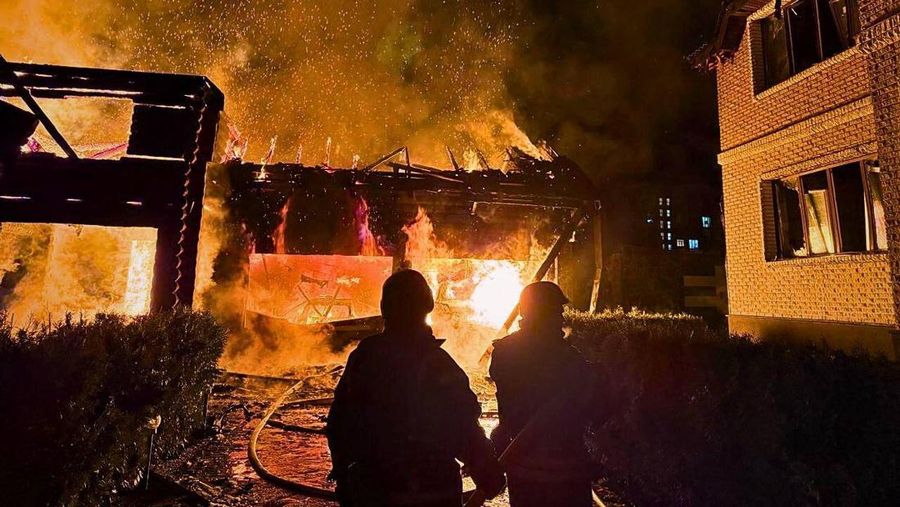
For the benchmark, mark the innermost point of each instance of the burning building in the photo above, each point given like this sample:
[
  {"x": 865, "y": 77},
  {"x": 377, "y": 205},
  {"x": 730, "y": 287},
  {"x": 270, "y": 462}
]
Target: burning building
[
  {"x": 308, "y": 247},
  {"x": 108, "y": 229},
  {"x": 274, "y": 250},
  {"x": 808, "y": 114}
]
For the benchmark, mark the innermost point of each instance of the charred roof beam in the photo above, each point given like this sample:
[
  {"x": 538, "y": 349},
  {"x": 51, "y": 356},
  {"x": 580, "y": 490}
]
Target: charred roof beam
[{"x": 9, "y": 75}]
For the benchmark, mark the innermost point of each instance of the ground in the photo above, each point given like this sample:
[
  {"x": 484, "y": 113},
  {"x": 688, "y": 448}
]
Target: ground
[{"x": 217, "y": 471}]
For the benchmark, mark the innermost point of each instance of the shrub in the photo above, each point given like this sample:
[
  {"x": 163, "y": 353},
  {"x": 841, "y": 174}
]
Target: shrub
[
  {"x": 77, "y": 397},
  {"x": 686, "y": 416}
]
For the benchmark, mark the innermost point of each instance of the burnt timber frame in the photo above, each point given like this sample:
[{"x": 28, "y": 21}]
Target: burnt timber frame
[
  {"x": 550, "y": 186},
  {"x": 158, "y": 183},
  {"x": 487, "y": 186}
]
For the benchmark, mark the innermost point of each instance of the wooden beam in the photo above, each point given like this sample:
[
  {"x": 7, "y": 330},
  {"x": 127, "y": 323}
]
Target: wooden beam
[
  {"x": 576, "y": 218},
  {"x": 7, "y": 72}
]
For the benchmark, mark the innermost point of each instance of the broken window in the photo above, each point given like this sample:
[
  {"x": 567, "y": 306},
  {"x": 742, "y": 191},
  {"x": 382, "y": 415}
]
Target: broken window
[
  {"x": 836, "y": 210},
  {"x": 818, "y": 215},
  {"x": 775, "y": 52},
  {"x": 833, "y": 28},
  {"x": 850, "y": 201},
  {"x": 845, "y": 18},
  {"x": 806, "y": 32},
  {"x": 791, "y": 236},
  {"x": 802, "y": 31},
  {"x": 879, "y": 233}
]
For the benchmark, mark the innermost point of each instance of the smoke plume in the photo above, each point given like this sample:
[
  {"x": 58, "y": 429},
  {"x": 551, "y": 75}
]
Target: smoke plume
[{"x": 604, "y": 82}]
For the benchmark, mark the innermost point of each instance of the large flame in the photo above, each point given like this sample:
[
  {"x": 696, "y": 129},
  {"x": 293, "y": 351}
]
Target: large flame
[
  {"x": 496, "y": 292},
  {"x": 487, "y": 290},
  {"x": 50, "y": 270},
  {"x": 140, "y": 275}
]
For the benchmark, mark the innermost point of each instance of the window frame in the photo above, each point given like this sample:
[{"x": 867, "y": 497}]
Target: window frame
[
  {"x": 852, "y": 33},
  {"x": 833, "y": 213}
]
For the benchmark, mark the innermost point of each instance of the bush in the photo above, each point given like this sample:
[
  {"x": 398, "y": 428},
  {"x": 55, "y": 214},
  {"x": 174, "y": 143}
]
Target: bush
[
  {"x": 686, "y": 416},
  {"x": 78, "y": 396}
]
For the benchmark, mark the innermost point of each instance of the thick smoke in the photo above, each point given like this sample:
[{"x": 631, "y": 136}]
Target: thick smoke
[
  {"x": 605, "y": 82},
  {"x": 370, "y": 75}
]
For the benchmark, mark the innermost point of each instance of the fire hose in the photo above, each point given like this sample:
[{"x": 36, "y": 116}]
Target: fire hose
[
  {"x": 298, "y": 487},
  {"x": 476, "y": 498}
]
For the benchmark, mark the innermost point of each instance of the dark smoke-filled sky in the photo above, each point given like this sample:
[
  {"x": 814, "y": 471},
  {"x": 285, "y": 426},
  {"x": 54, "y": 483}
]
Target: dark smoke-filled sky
[{"x": 605, "y": 82}]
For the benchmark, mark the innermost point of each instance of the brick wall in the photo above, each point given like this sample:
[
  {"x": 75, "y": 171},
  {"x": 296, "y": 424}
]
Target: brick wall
[
  {"x": 879, "y": 41},
  {"x": 819, "y": 118},
  {"x": 745, "y": 115}
]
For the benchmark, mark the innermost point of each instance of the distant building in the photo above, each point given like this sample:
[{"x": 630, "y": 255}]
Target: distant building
[
  {"x": 655, "y": 237},
  {"x": 809, "y": 112},
  {"x": 683, "y": 218}
]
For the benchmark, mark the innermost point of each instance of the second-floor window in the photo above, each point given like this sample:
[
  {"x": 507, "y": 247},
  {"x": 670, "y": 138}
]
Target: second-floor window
[
  {"x": 807, "y": 32},
  {"x": 839, "y": 210}
]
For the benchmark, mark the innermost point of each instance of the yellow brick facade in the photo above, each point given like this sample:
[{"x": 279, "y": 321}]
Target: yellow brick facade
[{"x": 839, "y": 111}]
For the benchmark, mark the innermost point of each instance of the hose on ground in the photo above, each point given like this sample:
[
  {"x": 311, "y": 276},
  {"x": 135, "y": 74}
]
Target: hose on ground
[
  {"x": 473, "y": 497},
  {"x": 298, "y": 487}
]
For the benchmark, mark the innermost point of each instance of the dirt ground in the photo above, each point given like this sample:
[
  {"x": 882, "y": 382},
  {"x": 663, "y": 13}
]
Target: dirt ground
[{"x": 216, "y": 470}]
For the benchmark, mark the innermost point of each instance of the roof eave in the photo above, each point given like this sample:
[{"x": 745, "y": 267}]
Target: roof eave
[{"x": 728, "y": 35}]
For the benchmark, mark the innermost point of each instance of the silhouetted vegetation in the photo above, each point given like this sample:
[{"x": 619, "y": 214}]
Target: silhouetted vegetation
[
  {"x": 77, "y": 398},
  {"x": 686, "y": 416}
]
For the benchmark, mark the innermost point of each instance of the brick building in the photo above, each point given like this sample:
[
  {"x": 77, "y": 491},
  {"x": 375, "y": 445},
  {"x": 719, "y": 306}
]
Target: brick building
[{"x": 809, "y": 111}]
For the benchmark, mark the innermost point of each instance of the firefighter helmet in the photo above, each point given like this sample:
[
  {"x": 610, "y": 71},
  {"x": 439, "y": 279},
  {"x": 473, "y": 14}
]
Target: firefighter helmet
[
  {"x": 540, "y": 297},
  {"x": 406, "y": 293}
]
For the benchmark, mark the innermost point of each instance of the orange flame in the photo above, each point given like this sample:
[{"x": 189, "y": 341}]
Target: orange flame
[
  {"x": 140, "y": 274},
  {"x": 368, "y": 246},
  {"x": 487, "y": 291},
  {"x": 278, "y": 236}
]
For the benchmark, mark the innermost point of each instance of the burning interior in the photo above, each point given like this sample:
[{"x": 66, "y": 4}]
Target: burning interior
[
  {"x": 54, "y": 269},
  {"x": 305, "y": 249},
  {"x": 286, "y": 255}
]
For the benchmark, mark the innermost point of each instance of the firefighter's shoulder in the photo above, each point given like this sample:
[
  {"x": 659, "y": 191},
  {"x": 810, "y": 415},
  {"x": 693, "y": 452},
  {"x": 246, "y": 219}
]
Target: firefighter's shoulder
[
  {"x": 444, "y": 368},
  {"x": 367, "y": 347},
  {"x": 508, "y": 342},
  {"x": 370, "y": 342}
]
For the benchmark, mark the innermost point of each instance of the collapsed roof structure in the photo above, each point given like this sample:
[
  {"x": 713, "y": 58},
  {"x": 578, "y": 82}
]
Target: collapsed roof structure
[{"x": 159, "y": 181}]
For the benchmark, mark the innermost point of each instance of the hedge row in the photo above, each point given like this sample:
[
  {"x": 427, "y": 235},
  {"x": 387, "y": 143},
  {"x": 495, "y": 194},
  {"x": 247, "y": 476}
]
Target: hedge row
[
  {"x": 686, "y": 416},
  {"x": 77, "y": 398}
]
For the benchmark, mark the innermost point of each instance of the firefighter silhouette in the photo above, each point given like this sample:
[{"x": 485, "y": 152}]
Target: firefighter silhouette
[
  {"x": 543, "y": 384},
  {"x": 403, "y": 413}
]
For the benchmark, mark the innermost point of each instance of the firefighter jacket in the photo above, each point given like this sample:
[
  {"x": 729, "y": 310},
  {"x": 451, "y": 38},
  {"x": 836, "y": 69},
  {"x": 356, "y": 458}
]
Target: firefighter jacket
[
  {"x": 542, "y": 376},
  {"x": 403, "y": 414}
]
